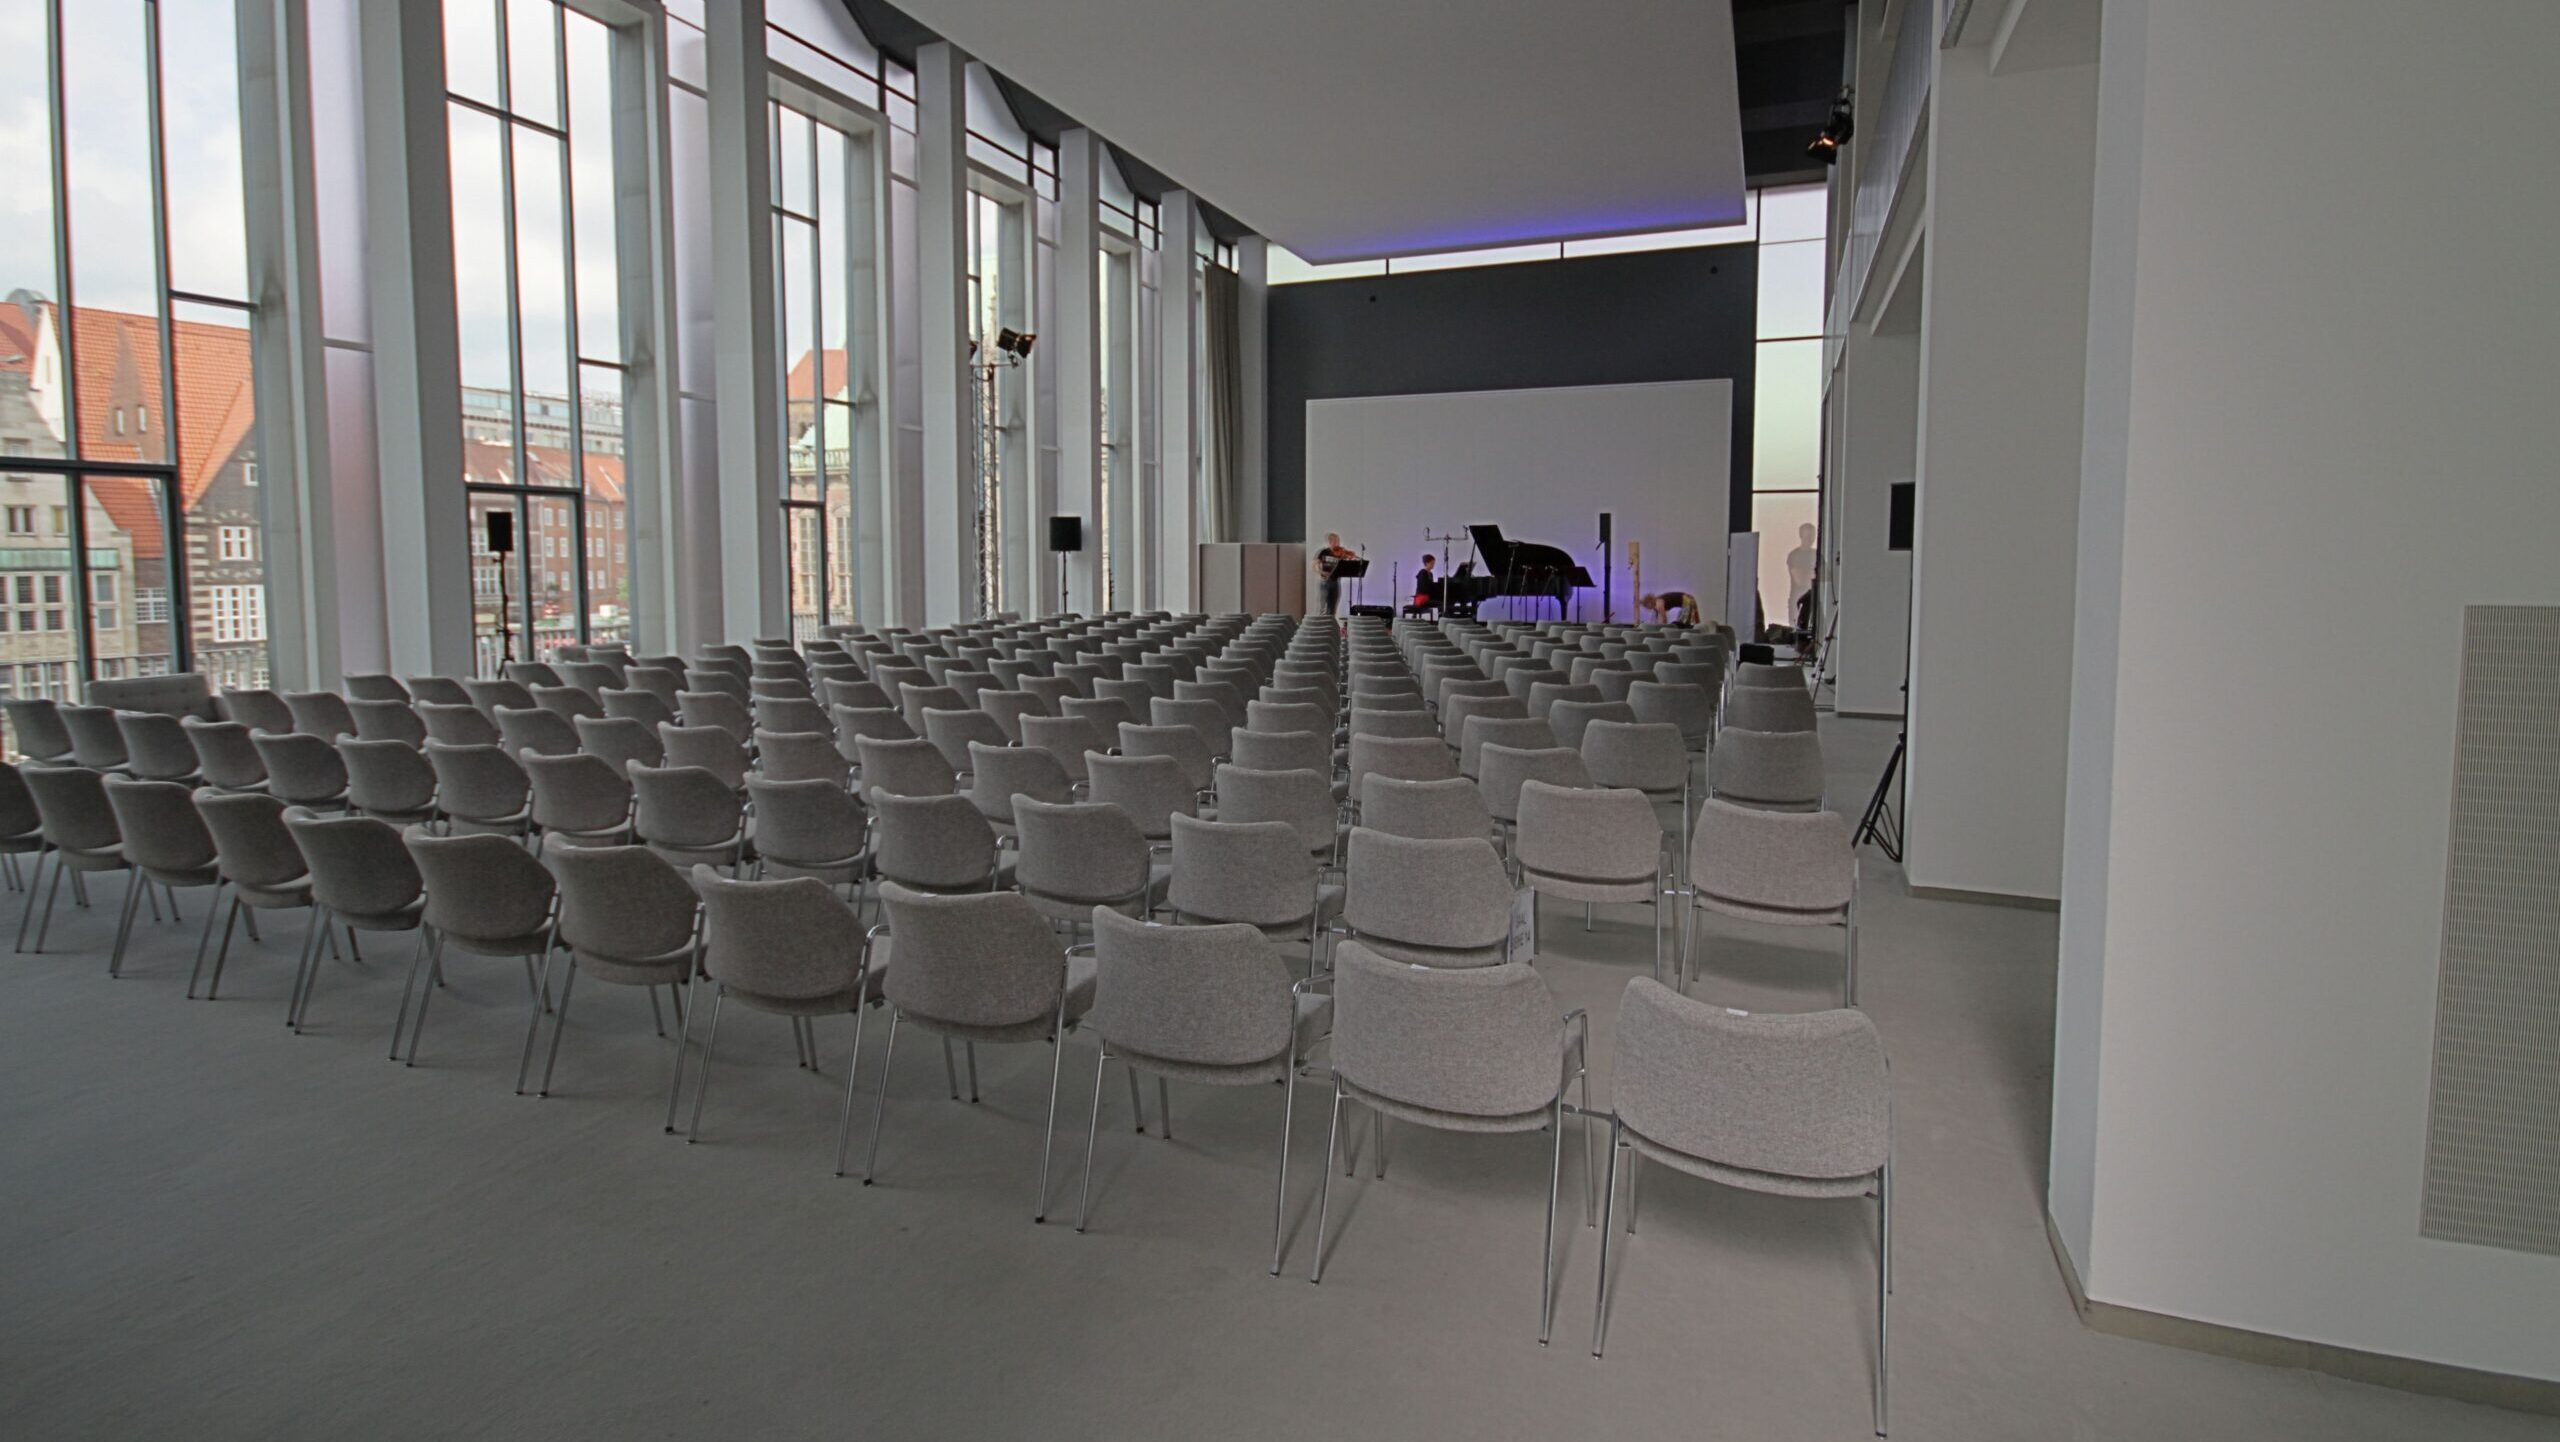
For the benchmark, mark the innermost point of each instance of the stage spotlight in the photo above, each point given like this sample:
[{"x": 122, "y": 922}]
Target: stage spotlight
[
  {"x": 1835, "y": 131},
  {"x": 1015, "y": 343}
]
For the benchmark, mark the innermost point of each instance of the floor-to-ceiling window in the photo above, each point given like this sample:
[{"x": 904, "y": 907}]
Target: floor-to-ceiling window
[
  {"x": 131, "y": 534},
  {"x": 998, "y": 308},
  {"x": 531, "y": 112},
  {"x": 1786, "y": 420},
  {"x": 813, "y": 163}
]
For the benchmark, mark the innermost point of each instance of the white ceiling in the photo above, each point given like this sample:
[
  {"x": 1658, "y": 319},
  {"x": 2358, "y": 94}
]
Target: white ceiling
[{"x": 1351, "y": 129}]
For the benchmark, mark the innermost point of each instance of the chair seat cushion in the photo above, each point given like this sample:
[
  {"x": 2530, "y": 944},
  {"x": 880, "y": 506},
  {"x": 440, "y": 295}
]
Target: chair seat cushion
[
  {"x": 1080, "y": 975},
  {"x": 1771, "y": 915},
  {"x": 1315, "y": 1018},
  {"x": 1587, "y": 889},
  {"x": 1433, "y": 1117},
  {"x": 1434, "y": 955},
  {"x": 1748, "y": 1179}
]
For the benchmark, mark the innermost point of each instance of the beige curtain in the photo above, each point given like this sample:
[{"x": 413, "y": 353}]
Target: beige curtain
[{"x": 1222, "y": 460}]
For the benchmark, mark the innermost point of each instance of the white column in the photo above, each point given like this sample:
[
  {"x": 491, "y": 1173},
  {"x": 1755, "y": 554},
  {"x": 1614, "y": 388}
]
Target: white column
[
  {"x": 1253, "y": 337},
  {"x": 667, "y": 574},
  {"x": 2004, "y": 324},
  {"x": 1077, "y": 353},
  {"x": 426, "y": 548},
  {"x": 942, "y": 275},
  {"x": 2318, "y": 428},
  {"x": 1177, "y": 328},
  {"x": 754, "y": 601},
  {"x": 285, "y": 341},
  {"x": 1877, "y": 395}
]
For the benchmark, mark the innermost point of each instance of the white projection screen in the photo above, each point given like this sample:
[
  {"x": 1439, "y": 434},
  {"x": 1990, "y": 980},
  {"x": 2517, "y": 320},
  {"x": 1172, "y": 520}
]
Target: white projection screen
[{"x": 1542, "y": 465}]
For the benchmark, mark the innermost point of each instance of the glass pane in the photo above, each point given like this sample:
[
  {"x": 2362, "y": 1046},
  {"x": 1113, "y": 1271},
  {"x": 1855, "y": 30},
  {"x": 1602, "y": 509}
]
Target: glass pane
[
  {"x": 129, "y": 552},
  {"x": 218, "y": 492},
  {"x": 1786, "y": 415},
  {"x": 200, "y": 130},
  {"x": 801, "y": 531},
  {"x": 843, "y": 537},
  {"x": 497, "y": 587},
  {"x": 1788, "y": 545},
  {"x": 35, "y": 660},
  {"x": 1799, "y": 212},
  {"x": 30, "y": 343},
  {"x": 471, "y": 49},
  {"x": 804, "y": 380},
  {"x": 533, "y": 60},
  {"x": 599, "y": 278},
  {"x": 1791, "y": 290},
  {"x": 688, "y": 53},
  {"x": 689, "y": 161},
  {"x": 791, "y": 161},
  {"x": 608, "y": 540},
  {"x": 542, "y": 274},
  {"x": 554, "y": 550},
  {"x": 480, "y": 283},
  {"x": 835, "y": 287},
  {"x": 115, "y": 283}
]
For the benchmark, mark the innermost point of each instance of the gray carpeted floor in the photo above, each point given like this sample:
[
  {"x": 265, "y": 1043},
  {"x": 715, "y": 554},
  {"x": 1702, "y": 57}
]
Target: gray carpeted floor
[{"x": 215, "y": 1229}]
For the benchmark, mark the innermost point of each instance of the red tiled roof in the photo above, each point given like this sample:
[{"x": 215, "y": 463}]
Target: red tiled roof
[
  {"x": 836, "y": 374},
  {"x": 117, "y": 355},
  {"x": 489, "y": 463},
  {"x": 17, "y": 339}
]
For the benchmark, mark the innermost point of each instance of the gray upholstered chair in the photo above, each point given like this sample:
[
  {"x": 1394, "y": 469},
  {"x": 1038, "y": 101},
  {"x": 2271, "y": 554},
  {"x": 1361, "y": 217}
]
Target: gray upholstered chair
[
  {"x": 486, "y": 896},
  {"x": 691, "y": 816},
  {"x": 1571, "y": 720},
  {"x": 793, "y": 714},
  {"x": 1279, "y": 718},
  {"x": 1792, "y": 1105},
  {"x": 1457, "y": 711},
  {"x": 1052, "y": 692},
  {"x": 956, "y": 733},
  {"x": 1779, "y": 770},
  {"x": 488, "y": 695},
  {"x": 1211, "y": 1005},
  {"x": 1397, "y": 700},
  {"x": 390, "y": 780},
  {"x": 715, "y": 749},
  {"x": 777, "y": 686},
  {"x": 1368, "y": 721},
  {"x": 437, "y": 690},
  {"x": 1108, "y": 714},
  {"x": 1073, "y": 857},
  {"x": 1518, "y": 679},
  {"x": 302, "y": 769},
  {"x": 1132, "y": 696},
  {"x": 1251, "y": 873},
  {"x": 1763, "y": 676},
  {"x": 857, "y": 695},
  {"x": 165, "y": 842},
  {"x": 97, "y": 742},
  {"x": 853, "y": 723},
  {"x": 1228, "y": 697},
  {"x": 978, "y": 968},
  {"x": 80, "y": 836},
  {"x": 1424, "y": 810},
  {"x": 1407, "y": 758},
  {"x": 914, "y": 701},
  {"x": 1484, "y": 1051},
  {"x": 910, "y": 767},
  {"x": 1008, "y": 708},
  {"x": 1614, "y": 683},
  {"x": 360, "y": 878},
  {"x": 156, "y": 747},
  {"x": 1506, "y": 768},
  {"x": 1182, "y": 744},
  {"x": 481, "y": 789},
  {"x": 592, "y": 677},
  {"x": 1204, "y": 716},
  {"x": 1152, "y": 789},
  {"x": 1518, "y": 732},
  {"x": 1650, "y": 757},
  {"x": 259, "y": 710},
  {"x": 810, "y": 827},
  {"x": 457, "y": 725},
  {"x": 260, "y": 865},
  {"x": 530, "y": 674},
  {"x": 1449, "y": 686},
  {"x": 388, "y": 720},
  {"x": 1288, "y": 751},
  {"x": 1778, "y": 868},
  {"x": 790, "y": 949},
  {"x": 1691, "y": 708},
  {"x": 320, "y": 713},
  {"x": 663, "y": 682},
  {"x": 934, "y": 843},
  {"x": 630, "y": 919},
  {"x": 21, "y": 829},
  {"x": 578, "y": 800},
  {"x": 620, "y": 740},
  {"x": 1067, "y": 739},
  {"x": 715, "y": 708},
  {"x": 801, "y": 756},
  {"x": 1544, "y": 695},
  {"x": 1707, "y": 677},
  {"x": 1601, "y": 848},
  {"x": 1433, "y": 903},
  {"x": 630, "y": 704},
  {"x": 36, "y": 731},
  {"x": 534, "y": 731},
  {"x": 1301, "y": 798},
  {"x": 567, "y": 702},
  {"x": 1001, "y": 776}
]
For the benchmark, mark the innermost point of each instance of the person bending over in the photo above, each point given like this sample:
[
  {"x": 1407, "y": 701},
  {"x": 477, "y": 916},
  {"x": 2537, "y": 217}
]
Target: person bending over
[{"x": 1658, "y": 607}]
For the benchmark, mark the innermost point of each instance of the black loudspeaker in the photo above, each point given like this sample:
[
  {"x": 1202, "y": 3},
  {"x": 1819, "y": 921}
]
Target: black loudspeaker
[
  {"x": 1066, "y": 533},
  {"x": 502, "y": 532},
  {"x": 1906, "y": 501},
  {"x": 1604, "y": 528}
]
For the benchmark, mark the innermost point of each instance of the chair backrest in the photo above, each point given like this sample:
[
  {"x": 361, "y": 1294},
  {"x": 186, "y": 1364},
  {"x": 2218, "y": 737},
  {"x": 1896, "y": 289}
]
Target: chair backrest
[
  {"x": 663, "y": 682},
  {"x": 778, "y": 686},
  {"x": 860, "y": 695},
  {"x": 1571, "y": 720},
  {"x": 801, "y": 756},
  {"x": 1508, "y": 768},
  {"x": 1793, "y": 864},
  {"x": 388, "y": 721},
  {"x": 1544, "y": 696},
  {"x": 578, "y": 794},
  {"x": 1482, "y": 1042},
  {"x": 1448, "y": 895},
  {"x": 376, "y": 686},
  {"x": 793, "y": 714},
  {"x": 1518, "y": 732},
  {"x": 259, "y": 710},
  {"x": 1586, "y": 834},
  {"x": 620, "y": 740},
  {"x": 914, "y": 701},
  {"x": 251, "y": 843},
  {"x": 387, "y": 778},
  {"x": 490, "y": 695},
  {"x": 1201, "y": 995},
  {"x": 1134, "y": 696},
  {"x": 96, "y": 741},
  {"x": 36, "y": 728},
  {"x": 1393, "y": 724},
  {"x": 1225, "y": 695},
  {"x": 1087, "y": 853},
  {"x": 568, "y": 702},
  {"x": 1284, "y": 751},
  {"x": 912, "y": 767},
  {"x": 1797, "y": 1095},
  {"x": 811, "y": 822},
  {"x": 1646, "y": 755},
  {"x": 156, "y": 747},
  {"x": 646, "y": 707},
  {"x": 1255, "y": 872},
  {"x": 1106, "y": 713},
  {"x": 226, "y": 755},
  {"x": 1767, "y": 768},
  {"x": 592, "y": 677},
  {"x": 481, "y": 890},
  {"x": 302, "y": 770},
  {"x": 1409, "y": 758},
  {"x": 1183, "y": 745},
  {"x": 320, "y": 713},
  {"x": 956, "y": 733},
  {"x": 1457, "y": 710},
  {"x": 623, "y": 904},
  {"x": 715, "y": 749},
  {"x": 533, "y": 731},
  {"x": 1151, "y": 789},
  {"x": 984, "y": 959},
  {"x": 999, "y": 776},
  {"x": 791, "y": 940},
  {"x": 1066, "y": 738},
  {"x": 932, "y": 843},
  {"x": 1424, "y": 810},
  {"x": 358, "y": 865},
  {"x": 1771, "y": 708},
  {"x": 482, "y": 785},
  {"x": 530, "y": 674},
  {"x": 715, "y": 708},
  {"x": 1518, "y": 679},
  {"x": 162, "y": 831},
  {"x": 1007, "y": 708},
  {"x": 1300, "y": 797},
  {"x": 18, "y": 817},
  {"x": 463, "y": 725},
  {"x": 1277, "y": 717},
  {"x": 685, "y": 808},
  {"x": 440, "y": 690},
  {"x": 1765, "y": 676}
]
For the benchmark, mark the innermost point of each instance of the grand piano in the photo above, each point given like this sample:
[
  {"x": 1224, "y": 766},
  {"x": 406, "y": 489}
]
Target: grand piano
[{"x": 1504, "y": 567}]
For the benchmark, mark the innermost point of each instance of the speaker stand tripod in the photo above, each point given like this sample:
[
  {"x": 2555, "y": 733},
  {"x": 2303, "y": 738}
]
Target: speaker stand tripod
[{"x": 1880, "y": 825}]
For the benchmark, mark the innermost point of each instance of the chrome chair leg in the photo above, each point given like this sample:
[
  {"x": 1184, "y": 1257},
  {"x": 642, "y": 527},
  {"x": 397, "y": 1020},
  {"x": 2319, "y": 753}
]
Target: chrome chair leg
[
  {"x": 533, "y": 1023},
  {"x": 852, "y": 1079},
  {"x": 1092, "y": 1128},
  {"x": 136, "y": 888},
  {"x": 950, "y": 1069},
  {"x": 888, "y": 1053},
  {"x": 1164, "y": 1110},
  {"x": 702, "y": 1084},
  {"x": 1608, "y": 1205},
  {"x": 1884, "y": 1279},
  {"x": 1324, "y": 1189},
  {"x": 969, "y": 1050},
  {"x": 684, "y": 1043},
  {"x": 426, "y": 993},
  {"x": 1288, "y": 1120},
  {"x": 1555, "y": 1184},
  {"x": 560, "y": 1023},
  {"x": 417, "y": 958},
  {"x": 1048, "y": 1133}
]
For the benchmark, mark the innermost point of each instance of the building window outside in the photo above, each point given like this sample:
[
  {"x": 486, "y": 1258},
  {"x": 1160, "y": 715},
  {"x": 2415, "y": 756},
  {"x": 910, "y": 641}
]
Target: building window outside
[{"x": 237, "y": 543}]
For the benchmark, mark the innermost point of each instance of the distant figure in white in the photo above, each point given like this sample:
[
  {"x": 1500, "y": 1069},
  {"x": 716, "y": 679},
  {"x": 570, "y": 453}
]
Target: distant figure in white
[{"x": 1800, "y": 565}]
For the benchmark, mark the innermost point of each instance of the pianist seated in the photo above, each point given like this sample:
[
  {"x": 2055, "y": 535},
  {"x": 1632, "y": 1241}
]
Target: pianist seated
[{"x": 1426, "y": 590}]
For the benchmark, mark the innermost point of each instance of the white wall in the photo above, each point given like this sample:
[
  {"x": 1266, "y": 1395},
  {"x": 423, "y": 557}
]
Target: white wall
[
  {"x": 2004, "y": 305},
  {"x": 2320, "y": 385},
  {"x": 1878, "y": 394},
  {"x": 1541, "y": 464}
]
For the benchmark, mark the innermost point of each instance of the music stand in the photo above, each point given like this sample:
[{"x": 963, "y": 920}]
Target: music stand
[{"x": 1352, "y": 569}]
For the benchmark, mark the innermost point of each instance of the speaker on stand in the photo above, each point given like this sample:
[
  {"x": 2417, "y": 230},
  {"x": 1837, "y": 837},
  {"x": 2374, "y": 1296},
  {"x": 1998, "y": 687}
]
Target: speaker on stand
[
  {"x": 1608, "y": 574},
  {"x": 1066, "y": 535},
  {"x": 502, "y": 544}
]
